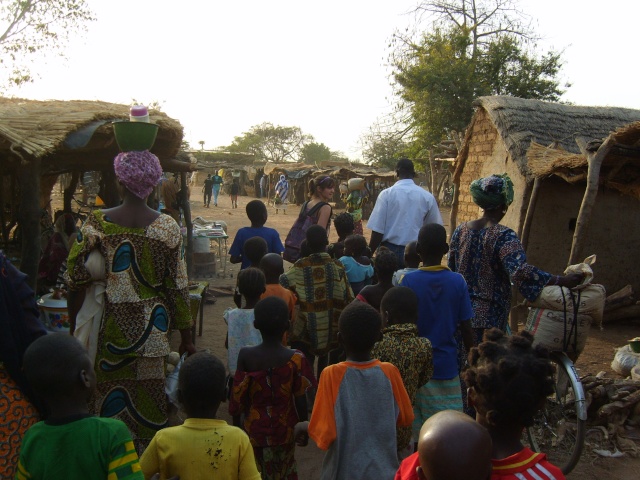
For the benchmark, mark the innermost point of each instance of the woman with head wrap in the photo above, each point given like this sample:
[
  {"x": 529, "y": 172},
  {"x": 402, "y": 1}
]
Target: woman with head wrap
[
  {"x": 147, "y": 296},
  {"x": 490, "y": 257}
]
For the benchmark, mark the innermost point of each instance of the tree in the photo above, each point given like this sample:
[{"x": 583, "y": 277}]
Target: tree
[
  {"x": 272, "y": 143},
  {"x": 481, "y": 47},
  {"x": 383, "y": 146},
  {"x": 29, "y": 27},
  {"x": 313, "y": 153}
]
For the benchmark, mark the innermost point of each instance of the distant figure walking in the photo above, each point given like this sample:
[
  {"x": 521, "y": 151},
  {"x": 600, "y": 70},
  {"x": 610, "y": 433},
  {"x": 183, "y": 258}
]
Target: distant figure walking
[
  {"x": 207, "y": 189},
  {"x": 263, "y": 186},
  {"x": 282, "y": 192},
  {"x": 217, "y": 183}
]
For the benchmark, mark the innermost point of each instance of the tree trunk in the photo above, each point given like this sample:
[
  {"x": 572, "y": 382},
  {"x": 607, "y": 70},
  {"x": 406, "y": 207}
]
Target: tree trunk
[
  {"x": 29, "y": 219},
  {"x": 595, "y": 160}
]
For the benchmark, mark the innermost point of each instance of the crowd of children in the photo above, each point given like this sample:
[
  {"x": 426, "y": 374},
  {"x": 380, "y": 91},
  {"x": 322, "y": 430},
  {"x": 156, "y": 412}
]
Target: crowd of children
[{"x": 395, "y": 392}]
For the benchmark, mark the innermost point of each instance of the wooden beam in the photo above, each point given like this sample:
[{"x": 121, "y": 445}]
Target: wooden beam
[
  {"x": 186, "y": 208},
  {"x": 528, "y": 219},
  {"x": 595, "y": 160},
  {"x": 29, "y": 218}
]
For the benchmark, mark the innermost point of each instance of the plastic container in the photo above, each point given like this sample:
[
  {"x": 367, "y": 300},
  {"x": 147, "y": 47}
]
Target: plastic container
[
  {"x": 135, "y": 136},
  {"x": 139, "y": 113},
  {"x": 56, "y": 312},
  {"x": 201, "y": 245}
]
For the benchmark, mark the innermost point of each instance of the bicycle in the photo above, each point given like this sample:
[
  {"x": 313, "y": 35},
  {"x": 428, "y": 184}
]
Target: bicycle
[{"x": 559, "y": 428}]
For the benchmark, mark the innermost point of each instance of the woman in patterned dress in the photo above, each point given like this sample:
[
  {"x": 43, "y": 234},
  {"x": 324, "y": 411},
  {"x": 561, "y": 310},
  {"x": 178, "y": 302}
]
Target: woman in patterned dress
[
  {"x": 490, "y": 256},
  {"x": 146, "y": 297},
  {"x": 19, "y": 326}
]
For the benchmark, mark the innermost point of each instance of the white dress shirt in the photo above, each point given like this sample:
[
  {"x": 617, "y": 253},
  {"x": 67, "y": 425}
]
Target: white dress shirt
[{"x": 401, "y": 210}]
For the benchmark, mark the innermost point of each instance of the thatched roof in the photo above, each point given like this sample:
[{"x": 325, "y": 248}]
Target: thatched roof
[
  {"x": 520, "y": 122},
  {"x": 70, "y": 135},
  {"x": 620, "y": 169}
]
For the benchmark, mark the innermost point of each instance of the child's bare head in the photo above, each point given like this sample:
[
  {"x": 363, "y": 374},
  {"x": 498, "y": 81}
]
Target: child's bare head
[
  {"x": 257, "y": 212},
  {"x": 251, "y": 283},
  {"x": 317, "y": 239},
  {"x": 201, "y": 385},
  {"x": 355, "y": 245},
  {"x": 271, "y": 317},
  {"x": 432, "y": 242},
  {"x": 359, "y": 326},
  {"x": 254, "y": 249},
  {"x": 508, "y": 380},
  {"x": 453, "y": 446},
  {"x": 385, "y": 264},
  {"x": 411, "y": 257},
  {"x": 58, "y": 369},
  {"x": 272, "y": 266},
  {"x": 399, "y": 305},
  {"x": 344, "y": 225}
]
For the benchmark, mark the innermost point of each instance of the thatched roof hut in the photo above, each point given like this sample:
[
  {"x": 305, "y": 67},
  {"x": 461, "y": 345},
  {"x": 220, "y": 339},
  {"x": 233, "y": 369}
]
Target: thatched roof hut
[
  {"x": 44, "y": 138},
  {"x": 547, "y": 149}
]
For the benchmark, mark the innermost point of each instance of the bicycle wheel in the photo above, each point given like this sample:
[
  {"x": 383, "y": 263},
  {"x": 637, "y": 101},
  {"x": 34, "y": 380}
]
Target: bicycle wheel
[{"x": 560, "y": 426}]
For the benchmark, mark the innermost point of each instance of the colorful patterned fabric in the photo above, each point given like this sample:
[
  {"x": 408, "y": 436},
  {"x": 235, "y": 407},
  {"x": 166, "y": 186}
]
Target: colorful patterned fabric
[
  {"x": 492, "y": 192},
  {"x": 147, "y": 296},
  {"x": 323, "y": 291},
  {"x": 490, "y": 259},
  {"x": 266, "y": 398},
  {"x": 90, "y": 447},
  {"x": 16, "y": 416},
  {"x": 138, "y": 171},
  {"x": 525, "y": 465},
  {"x": 201, "y": 449},
  {"x": 277, "y": 462},
  {"x": 412, "y": 355},
  {"x": 435, "y": 396},
  {"x": 241, "y": 333},
  {"x": 282, "y": 189}
]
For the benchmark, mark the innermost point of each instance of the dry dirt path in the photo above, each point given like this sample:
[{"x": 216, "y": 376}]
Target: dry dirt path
[{"x": 596, "y": 357}]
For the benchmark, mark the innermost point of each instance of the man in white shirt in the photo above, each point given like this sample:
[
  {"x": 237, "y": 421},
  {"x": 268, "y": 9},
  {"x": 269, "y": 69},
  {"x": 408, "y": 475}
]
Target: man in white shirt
[{"x": 400, "y": 211}]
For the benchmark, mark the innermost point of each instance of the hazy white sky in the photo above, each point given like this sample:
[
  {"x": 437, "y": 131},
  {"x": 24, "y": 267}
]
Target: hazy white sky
[{"x": 220, "y": 67}]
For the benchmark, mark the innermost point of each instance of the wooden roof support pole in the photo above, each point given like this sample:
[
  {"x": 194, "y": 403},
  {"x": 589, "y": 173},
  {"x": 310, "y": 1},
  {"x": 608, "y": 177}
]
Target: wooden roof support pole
[
  {"x": 186, "y": 208},
  {"x": 528, "y": 219},
  {"x": 595, "y": 160},
  {"x": 29, "y": 217}
]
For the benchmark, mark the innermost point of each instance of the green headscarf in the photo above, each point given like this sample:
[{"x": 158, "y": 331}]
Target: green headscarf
[{"x": 491, "y": 192}]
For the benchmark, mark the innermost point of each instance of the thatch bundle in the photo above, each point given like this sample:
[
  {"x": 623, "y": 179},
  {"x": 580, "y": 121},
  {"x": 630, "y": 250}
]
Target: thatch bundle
[
  {"x": 43, "y": 129},
  {"x": 520, "y": 122}
]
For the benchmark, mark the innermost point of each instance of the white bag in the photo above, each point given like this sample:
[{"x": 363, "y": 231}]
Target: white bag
[
  {"x": 548, "y": 329},
  {"x": 590, "y": 300},
  {"x": 90, "y": 316},
  {"x": 625, "y": 360},
  {"x": 171, "y": 382},
  {"x": 583, "y": 268}
]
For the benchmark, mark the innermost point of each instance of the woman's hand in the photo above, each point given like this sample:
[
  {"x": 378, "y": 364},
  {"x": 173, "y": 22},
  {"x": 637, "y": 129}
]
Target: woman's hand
[
  {"x": 190, "y": 348},
  {"x": 569, "y": 281}
]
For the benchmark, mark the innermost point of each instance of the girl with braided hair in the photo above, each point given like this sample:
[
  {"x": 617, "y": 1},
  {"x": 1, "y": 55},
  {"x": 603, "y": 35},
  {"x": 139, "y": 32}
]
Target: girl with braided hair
[{"x": 508, "y": 382}]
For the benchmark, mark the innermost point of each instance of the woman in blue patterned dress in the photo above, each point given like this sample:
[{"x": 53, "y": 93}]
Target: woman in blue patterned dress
[{"x": 490, "y": 257}]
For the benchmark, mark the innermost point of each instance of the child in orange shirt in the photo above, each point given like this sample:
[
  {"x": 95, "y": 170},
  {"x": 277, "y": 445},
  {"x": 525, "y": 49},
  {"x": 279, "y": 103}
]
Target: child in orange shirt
[{"x": 272, "y": 266}]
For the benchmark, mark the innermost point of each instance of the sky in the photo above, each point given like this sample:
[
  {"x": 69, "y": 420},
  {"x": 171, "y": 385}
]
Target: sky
[{"x": 221, "y": 67}]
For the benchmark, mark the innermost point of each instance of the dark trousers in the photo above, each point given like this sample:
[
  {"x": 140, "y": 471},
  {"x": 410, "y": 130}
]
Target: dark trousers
[{"x": 398, "y": 250}]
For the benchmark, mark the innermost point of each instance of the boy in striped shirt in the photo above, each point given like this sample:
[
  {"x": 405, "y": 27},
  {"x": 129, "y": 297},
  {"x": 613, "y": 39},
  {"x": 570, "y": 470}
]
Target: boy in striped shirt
[{"x": 71, "y": 442}]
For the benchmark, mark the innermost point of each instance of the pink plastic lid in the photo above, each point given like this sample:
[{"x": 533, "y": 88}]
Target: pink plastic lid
[{"x": 138, "y": 111}]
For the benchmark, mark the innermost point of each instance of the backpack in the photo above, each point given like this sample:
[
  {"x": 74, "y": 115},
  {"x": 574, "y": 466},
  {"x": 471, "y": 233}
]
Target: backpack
[{"x": 298, "y": 231}]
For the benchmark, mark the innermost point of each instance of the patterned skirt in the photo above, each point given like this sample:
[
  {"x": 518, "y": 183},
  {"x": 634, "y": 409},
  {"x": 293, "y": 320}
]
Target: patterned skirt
[
  {"x": 134, "y": 394},
  {"x": 277, "y": 462},
  {"x": 16, "y": 416},
  {"x": 433, "y": 397}
]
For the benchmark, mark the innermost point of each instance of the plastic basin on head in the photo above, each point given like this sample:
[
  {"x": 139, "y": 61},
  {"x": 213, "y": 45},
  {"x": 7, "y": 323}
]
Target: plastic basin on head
[{"x": 135, "y": 136}]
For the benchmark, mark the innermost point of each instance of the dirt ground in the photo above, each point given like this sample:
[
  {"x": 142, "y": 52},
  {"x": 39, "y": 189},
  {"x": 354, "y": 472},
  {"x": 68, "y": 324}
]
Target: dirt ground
[{"x": 596, "y": 357}]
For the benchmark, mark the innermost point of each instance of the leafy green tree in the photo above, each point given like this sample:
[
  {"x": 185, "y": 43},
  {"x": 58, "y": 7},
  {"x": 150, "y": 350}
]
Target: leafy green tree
[
  {"x": 314, "y": 152},
  {"x": 30, "y": 27},
  {"x": 272, "y": 143},
  {"x": 383, "y": 146},
  {"x": 480, "y": 47}
]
